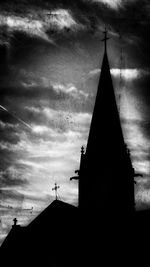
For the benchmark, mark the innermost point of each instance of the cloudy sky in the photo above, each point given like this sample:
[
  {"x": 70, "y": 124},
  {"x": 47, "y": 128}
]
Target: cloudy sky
[{"x": 50, "y": 59}]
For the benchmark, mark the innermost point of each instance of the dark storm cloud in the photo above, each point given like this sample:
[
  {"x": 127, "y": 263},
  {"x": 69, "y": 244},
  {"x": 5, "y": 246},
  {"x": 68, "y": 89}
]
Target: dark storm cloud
[
  {"x": 131, "y": 20},
  {"x": 35, "y": 92}
]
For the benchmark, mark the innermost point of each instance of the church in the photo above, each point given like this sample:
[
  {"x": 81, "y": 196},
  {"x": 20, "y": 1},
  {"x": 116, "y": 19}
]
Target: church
[
  {"x": 103, "y": 223},
  {"x": 106, "y": 174}
]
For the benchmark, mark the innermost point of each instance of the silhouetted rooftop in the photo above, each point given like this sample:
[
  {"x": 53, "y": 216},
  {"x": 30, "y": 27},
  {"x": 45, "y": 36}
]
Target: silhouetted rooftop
[
  {"x": 46, "y": 217},
  {"x": 57, "y": 222}
]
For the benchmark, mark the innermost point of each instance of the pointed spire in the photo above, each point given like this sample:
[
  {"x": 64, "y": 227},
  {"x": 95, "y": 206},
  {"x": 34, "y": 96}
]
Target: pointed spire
[{"x": 106, "y": 173}]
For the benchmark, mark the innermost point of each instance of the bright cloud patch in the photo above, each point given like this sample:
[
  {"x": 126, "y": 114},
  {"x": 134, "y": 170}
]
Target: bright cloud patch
[
  {"x": 62, "y": 18},
  {"x": 69, "y": 89},
  {"x": 111, "y": 3},
  {"x": 31, "y": 27},
  {"x": 127, "y": 74},
  {"x": 38, "y": 24}
]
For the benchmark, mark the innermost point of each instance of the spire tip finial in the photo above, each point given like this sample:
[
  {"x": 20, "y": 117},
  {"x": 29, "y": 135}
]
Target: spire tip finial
[{"x": 105, "y": 39}]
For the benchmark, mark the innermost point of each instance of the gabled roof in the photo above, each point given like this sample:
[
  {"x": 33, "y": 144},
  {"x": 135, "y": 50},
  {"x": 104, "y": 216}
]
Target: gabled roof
[
  {"x": 55, "y": 211},
  {"x": 50, "y": 237}
]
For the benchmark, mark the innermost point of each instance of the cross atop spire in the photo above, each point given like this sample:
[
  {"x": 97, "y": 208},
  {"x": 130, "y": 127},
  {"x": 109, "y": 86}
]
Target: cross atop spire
[
  {"x": 56, "y": 187},
  {"x": 105, "y": 39}
]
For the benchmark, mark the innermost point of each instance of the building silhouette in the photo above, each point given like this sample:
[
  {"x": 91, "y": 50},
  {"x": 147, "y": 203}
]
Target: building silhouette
[{"x": 103, "y": 228}]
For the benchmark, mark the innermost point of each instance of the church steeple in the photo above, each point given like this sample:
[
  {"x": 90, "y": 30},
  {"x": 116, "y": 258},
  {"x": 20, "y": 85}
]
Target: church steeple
[{"x": 106, "y": 177}]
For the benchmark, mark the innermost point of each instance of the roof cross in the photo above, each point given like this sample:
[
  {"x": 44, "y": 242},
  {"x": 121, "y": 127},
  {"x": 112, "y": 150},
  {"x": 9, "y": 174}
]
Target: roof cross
[
  {"x": 56, "y": 187},
  {"x": 15, "y": 221}
]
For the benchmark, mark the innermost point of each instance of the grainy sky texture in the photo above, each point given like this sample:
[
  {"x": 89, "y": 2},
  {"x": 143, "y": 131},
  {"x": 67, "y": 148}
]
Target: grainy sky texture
[{"x": 50, "y": 59}]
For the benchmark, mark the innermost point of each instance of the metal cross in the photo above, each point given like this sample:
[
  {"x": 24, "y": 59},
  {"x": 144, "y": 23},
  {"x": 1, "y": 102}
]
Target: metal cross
[
  {"x": 105, "y": 39},
  {"x": 56, "y": 187}
]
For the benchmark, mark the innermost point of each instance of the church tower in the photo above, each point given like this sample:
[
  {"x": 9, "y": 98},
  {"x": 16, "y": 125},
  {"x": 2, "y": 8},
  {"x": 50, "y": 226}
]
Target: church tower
[{"x": 106, "y": 175}]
